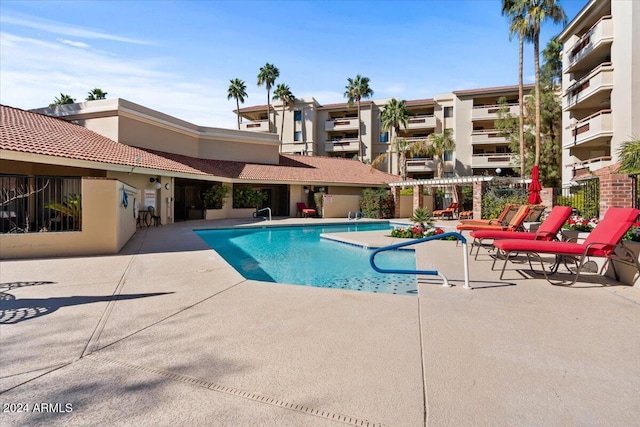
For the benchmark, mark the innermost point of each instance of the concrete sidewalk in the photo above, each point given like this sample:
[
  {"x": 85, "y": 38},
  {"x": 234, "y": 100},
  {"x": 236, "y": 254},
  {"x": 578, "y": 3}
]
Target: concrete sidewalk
[{"x": 167, "y": 333}]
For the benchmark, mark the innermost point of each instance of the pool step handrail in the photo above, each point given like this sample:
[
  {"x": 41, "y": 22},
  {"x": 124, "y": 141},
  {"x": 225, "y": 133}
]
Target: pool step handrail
[
  {"x": 465, "y": 258},
  {"x": 356, "y": 215},
  {"x": 255, "y": 214}
]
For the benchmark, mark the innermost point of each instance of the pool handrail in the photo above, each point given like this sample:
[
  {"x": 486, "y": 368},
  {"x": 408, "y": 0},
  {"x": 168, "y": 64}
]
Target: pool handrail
[
  {"x": 465, "y": 257},
  {"x": 255, "y": 214}
]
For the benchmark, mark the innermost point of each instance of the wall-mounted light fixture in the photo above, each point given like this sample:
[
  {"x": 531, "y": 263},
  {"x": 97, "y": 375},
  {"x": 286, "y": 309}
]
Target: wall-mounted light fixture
[
  {"x": 157, "y": 182},
  {"x": 167, "y": 186},
  {"x": 306, "y": 189},
  {"x": 498, "y": 171}
]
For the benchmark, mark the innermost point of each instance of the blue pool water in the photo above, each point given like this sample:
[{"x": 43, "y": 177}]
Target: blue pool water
[{"x": 297, "y": 255}]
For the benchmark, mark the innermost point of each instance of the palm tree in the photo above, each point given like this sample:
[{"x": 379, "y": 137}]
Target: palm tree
[
  {"x": 356, "y": 90},
  {"x": 439, "y": 144},
  {"x": 95, "y": 94},
  {"x": 238, "y": 91},
  {"x": 518, "y": 26},
  {"x": 62, "y": 100},
  {"x": 535, "y": 13},
  {"x": 394, "y": 114},
  {"x": 283, "y": 93},
  {"x": 629, "y": 153},
  {"x": 267, "y": 76}
]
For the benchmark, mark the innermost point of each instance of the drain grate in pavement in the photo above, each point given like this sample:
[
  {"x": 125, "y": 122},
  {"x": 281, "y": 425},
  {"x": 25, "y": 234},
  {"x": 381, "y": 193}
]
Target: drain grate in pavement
[{"x": 240, "y": 393}]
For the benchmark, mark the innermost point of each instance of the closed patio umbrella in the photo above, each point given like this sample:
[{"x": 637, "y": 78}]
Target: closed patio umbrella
[{"x": 535, "y": 187}]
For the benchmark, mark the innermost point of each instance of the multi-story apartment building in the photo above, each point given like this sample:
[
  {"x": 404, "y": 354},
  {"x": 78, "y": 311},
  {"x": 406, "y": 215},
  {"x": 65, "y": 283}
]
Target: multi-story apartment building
[
  {"x": 332, "y": 130},
  {"x": 600, "y": 85}
]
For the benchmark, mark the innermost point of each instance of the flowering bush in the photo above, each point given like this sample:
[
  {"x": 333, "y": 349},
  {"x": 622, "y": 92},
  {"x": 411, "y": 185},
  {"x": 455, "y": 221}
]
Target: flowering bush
[
  {"x": 634, "y": 233},
  {"x": 580, "y": 224},
  {"x": 415, "y": 232}
]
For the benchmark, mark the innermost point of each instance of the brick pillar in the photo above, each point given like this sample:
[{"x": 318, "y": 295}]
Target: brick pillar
[
  {"x": 615, "y": 189},
  {"x": 546, "y": 194},
  {"x": 478, "y": 189},
  {"x": 417, "y": 196},
  {"x": 395, "y": 191}
]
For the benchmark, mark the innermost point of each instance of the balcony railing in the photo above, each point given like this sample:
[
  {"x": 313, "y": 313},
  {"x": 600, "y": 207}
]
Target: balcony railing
[
  {"x": 297, "y": 147},
  {"x": 342, "y": 123},
  {"x": 256, "y": 126},
  {"x": 598, "y": 35},
  {"x": 490, "y": 136},
  {"x": 596, "y": 126},
  {"x": 584, "y": 167},
  {"x": 426, "y": 164},
  {"x": 491, "y": 160},
  {"x": 341, "y": 145},
  {"x": 41, "y": 203},
  {"x": 488, "y": 112},
  {"x": 599, "y": 79},
  {"x": 422, "y": 122}
]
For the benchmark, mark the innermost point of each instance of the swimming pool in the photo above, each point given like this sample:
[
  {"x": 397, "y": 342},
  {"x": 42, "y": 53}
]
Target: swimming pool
[{"x": 297, "y": 255}]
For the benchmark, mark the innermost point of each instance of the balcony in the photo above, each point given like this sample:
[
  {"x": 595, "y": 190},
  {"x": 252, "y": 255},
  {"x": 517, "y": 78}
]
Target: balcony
[
  {"x": 591, "y": 91},
  {"x": 585, "y": 167},
  {"x": 343, "y": 123},
  {"x": 298, "y": 147},
  {"x": 491, "y": 160},
  {"x": 341, "y": 146},
  {"x": 490, "y": 136},
  {"x": 490, "y": 112},
  {"x": 256, "y": 126},
  {"x": 591, "y": 131},
  {"x": 592, "y": 46},
  {"x": 421, "y": 165},
  {"x": 422, "y": 122}
]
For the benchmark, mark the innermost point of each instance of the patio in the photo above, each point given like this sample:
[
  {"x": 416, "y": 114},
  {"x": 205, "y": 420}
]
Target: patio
[{"x": 167, "y": 333}]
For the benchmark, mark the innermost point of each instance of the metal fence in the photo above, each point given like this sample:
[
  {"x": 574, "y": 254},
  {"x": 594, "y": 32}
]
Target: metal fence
[
  {"x": 635, "y": 190},
  {"x": 583, "y": 197},
  {"x": 41, "y": 203}
]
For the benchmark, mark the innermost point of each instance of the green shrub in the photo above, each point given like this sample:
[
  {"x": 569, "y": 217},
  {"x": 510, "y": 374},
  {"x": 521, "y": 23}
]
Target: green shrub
[
  {"x": 377, "y": 203},
  {"x": 214, "y": 197},
  {"x": 247, "y": 197},
  {"x": 318, "y": 198},
  {"x": 406, "y": 192},
  {"x": 495, "y": 199}
]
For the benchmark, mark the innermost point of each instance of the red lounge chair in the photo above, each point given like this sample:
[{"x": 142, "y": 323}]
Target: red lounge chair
[
  {"x": 304, "y": 211},
  {"x": 600, "y": 243},
  {"x": 547, "y": 230},
  {"x": 505, "y": 216},
  {"x": 514, "y": 224},
  {"x": 451, "y": 210}
]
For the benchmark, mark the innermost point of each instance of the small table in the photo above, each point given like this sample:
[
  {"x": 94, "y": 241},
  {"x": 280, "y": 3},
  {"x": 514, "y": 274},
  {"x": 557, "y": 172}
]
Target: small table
[{"x": 144, "y": 218}]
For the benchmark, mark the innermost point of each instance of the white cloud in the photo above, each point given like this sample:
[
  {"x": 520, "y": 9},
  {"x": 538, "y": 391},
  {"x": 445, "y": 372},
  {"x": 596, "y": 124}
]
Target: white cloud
[
  {"x": 65, "y": 29},
  {"x": 74, "y": 44},
  {"x": 34, "y": 72}
]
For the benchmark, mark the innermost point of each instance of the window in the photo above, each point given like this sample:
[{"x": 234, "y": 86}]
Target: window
[
  {"x": 448, "y": 111},
  {"x": 448, "y": 156},
  {"x": 384, "y": 137},
  {"x": 297, "y": 136},
  {"x": 297, "y": 115}
]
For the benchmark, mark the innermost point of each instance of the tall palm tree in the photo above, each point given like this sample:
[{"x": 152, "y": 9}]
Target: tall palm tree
[
  {"x": 356, "y": 90},
  {"x": 536, "y": 12},
  {"x": 95, "y": 94},
  {"x": 439, "y": 144},
  {"x": 62, "y": 100},
  {"x": 238, "y": 91},
  {"x": 629, "y": 154},
  {"x": 394, "y": 114},
  {"x": 514, "y": 9},
  {"x": 267, "y": 76},
  {"x": 283, "y": 93}
]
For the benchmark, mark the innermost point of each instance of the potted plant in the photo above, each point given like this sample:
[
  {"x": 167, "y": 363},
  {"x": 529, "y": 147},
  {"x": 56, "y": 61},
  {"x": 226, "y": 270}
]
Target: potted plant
[{"x": 578, "y": 228}]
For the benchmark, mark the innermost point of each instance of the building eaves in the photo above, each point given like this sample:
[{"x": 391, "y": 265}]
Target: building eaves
[{"x": 491, "y": 90}]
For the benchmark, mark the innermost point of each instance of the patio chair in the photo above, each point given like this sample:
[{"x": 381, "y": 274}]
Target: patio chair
[
  {"x": 505, "y": 216},
  {"x": 465, "y": 215},
  {"x": 450, "y": 211},
  {"x": 304, "y": 211},
  {"x": 514, "y": 224},
  {"x": 548, "y": 230},
  {"x": 601, "y": 243},
  {"x": 153, "y": 217},
  {"x": 535, "y": 212}
]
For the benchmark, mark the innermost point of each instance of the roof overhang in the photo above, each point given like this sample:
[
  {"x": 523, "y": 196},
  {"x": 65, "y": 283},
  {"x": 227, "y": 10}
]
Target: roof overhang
[{"x": 459, "y": 180}]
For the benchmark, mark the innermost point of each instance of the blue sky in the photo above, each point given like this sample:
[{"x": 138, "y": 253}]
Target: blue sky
[{"x": 178, "y": 56}]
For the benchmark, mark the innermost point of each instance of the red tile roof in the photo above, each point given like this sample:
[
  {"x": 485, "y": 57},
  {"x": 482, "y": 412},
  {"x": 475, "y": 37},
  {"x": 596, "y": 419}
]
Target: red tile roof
[{"x": 29, "y": 132}]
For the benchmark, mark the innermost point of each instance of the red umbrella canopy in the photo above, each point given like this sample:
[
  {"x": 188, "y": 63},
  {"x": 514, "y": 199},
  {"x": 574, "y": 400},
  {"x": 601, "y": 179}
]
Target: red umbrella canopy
[{"x": 535, "y": 187}]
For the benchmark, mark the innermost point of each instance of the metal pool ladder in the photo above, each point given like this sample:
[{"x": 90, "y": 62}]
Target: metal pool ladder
[
  {"x": 255, "y": 214},
  {"x": 356, "y": 215},
  {"x": 465, "y": 258}
]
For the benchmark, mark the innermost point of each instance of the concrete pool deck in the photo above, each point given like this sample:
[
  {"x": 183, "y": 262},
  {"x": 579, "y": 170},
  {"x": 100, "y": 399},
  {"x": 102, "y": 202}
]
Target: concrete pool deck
[{"x": 167, "y": 333}]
